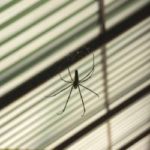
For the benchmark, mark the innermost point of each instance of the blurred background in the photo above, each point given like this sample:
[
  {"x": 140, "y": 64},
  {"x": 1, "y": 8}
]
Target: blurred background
[{"x": 40, "y": 39}]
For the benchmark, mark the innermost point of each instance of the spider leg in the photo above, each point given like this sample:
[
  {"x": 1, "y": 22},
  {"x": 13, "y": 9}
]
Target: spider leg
[
  {"x": 89, "y": 90},
  {"x": 85, "y": 79},
  {"x": 70, "y": 74},
  {"x": 82, "y": 101},
  {"x": 54, "y": 94},
  {"x": 64, "y": 79},
  {"x": 89, "y": 75},
  {"x": 66, "y": 101}
]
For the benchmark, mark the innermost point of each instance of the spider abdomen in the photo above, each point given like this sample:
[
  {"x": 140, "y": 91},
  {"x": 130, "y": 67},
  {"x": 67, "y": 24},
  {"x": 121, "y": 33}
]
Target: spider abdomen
[{"x": 76, "y": 79}]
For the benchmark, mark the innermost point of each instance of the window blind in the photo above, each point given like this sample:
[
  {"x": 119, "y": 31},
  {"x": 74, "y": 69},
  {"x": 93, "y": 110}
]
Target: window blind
[{"x": 40, "y": 39}]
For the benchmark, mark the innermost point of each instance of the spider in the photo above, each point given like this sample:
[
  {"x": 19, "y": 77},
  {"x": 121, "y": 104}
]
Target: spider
[{"x": 76, "y": 83}]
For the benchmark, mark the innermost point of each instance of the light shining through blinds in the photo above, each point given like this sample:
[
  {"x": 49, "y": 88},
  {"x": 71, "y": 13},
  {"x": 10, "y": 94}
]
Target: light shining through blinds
[{"x": 35, "y": 35}]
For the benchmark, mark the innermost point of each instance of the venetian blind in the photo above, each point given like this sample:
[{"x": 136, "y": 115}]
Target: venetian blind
[{"x": 40, "y": 39}]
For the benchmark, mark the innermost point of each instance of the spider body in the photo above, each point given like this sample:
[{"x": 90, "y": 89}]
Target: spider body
[
  {"x": 76, "y": 79},
  {"x": 75, "y": 83}
]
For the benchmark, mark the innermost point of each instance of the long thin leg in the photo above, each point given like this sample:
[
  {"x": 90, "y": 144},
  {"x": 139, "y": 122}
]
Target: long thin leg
[
  {"x": 83, "y": 80},
  {"x": 67, "y": 101},
  {"x": 89, "y": 90},
  {"x": 54, "y": 94},
  {"x": 64, "y": 79},
  {"x": 70, "y": 74},
  {"x": 87, "y": 77},
  {"x": 90, "y": 73},
  {"x": 82, "y": 101}
]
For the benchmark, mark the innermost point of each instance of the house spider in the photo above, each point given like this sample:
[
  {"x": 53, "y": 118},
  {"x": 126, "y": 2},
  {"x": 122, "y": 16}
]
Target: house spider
[{"x": 75, "y": 83}]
